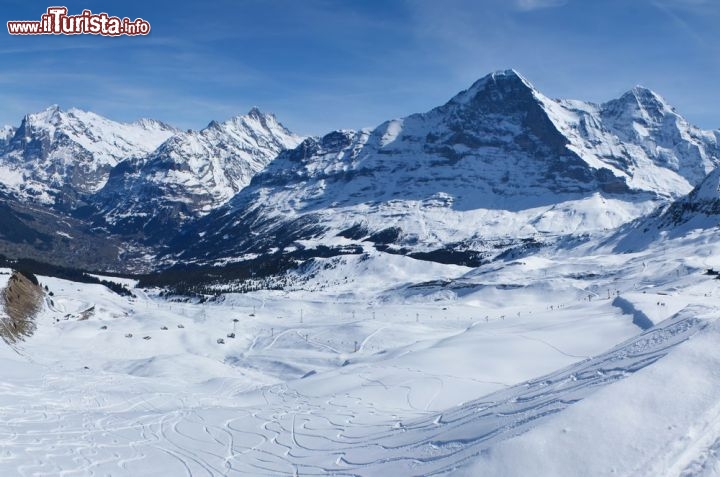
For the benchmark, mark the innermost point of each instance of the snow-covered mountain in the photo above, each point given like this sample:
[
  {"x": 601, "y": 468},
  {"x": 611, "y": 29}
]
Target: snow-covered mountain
[
  {"x": 702, "y": 203},
  {"x": 190, "y": 174},
  {"x": 55, "y": 156},
  {"x": 643, "y": 139},
  {"x": 697, "y": 211},
  {"x": 499, "y": 166}
]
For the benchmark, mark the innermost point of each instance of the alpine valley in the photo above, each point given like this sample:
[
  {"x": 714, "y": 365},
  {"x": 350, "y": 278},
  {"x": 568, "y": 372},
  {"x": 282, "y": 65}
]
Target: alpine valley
[{"x": 507, "y": 284}]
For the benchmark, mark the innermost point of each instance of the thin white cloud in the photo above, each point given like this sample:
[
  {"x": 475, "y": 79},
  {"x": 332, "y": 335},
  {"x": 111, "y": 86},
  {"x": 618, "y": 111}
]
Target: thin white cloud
[
  {"x": 529, "y": 5},
  {"x": 685, "y": 3},
  {"x": 698, "y": 7},
  {"x": 675, "y": 11}
]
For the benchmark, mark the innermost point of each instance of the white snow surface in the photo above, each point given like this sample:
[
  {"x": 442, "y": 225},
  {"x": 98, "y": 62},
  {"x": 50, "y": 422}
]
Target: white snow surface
[{"x": 382, "y": 365}]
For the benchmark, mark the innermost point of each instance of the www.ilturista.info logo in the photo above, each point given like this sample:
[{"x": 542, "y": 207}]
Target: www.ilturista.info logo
[{"x": 57, "y": 22}]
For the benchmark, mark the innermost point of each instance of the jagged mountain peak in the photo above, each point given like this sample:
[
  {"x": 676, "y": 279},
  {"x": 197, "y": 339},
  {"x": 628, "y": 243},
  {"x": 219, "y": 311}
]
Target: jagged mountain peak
[
  {"x": 55, "y": 156},
  {"x": 52, "y": 115},
  {"x": 502, "y": 77},
  {"x": 652, "y": 130},
  {"x": 48, "y": 111},
  {"x": 149, "y": 123},
  {"x": 497, "y": 87},
  {"x": 214, "y": 124},
  {"x": 255, "y": 122},
  {"x": 644, "y": 95},
  {"x": 249, "y": 132},
  {"x": 510, "y": 75},
  {"x": 56, "y": 115},
  {"x": 191, "y": 173},
  {"x": 640, "y": 104},
  {"x": 255, "y": 112},
  {"x": 255, "y": 119},
  {"x": 85, "y": 127}
]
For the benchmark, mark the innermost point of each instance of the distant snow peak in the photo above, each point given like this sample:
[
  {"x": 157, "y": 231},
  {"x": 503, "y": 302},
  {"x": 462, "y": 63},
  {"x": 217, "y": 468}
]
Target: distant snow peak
[
  {"x": 212, "y": 125},
  {"x": 653, "y": 132},
  {"x": 641, "y": 104},
  {"x": 148, "y": 123},
  {"x": 191, "y": 173},
  {"x": 510, "y": 75},
  {"x": 70, "y": 153}
]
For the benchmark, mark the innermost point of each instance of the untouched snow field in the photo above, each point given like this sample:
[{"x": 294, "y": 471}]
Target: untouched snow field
[{"x": 583, "y": 363}]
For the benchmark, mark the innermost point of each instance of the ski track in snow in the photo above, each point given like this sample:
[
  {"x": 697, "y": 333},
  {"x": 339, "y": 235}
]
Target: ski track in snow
[
  {"x": 295, "y": 434},
  {"x": 430, "y": 389}
]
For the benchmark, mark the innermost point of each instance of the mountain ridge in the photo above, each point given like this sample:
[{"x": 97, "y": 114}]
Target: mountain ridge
[
  {"x": 497, "y": 163},
  {"x": 56, "y": 156},
  {"x": 497, "y": 169},
  {"x": 190, "y": 174}
]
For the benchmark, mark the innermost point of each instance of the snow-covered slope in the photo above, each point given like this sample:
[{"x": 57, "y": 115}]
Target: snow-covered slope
[
  {"x": 190, "y": 174},
  {"x": 500, "y": 165},
  {"x": 697, "y": 211},
  {"x": 701, "y": 205},
  {"x": 56, "y": 156},
  {"x": 392, "y": 367}
]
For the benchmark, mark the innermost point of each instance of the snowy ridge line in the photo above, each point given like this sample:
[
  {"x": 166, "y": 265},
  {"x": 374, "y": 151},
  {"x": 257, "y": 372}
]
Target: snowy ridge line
[
  {"x": 191, "y": 173},
  {"x": 662, "y": 421}
]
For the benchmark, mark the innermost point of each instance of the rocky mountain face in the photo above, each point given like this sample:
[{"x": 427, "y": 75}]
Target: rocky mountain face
[
  {"x": 20, "y": 302},
  {"x": 57, "y": 157},
  {"x": 498, "y": 169},
  {"x": 189, "y": 175}
]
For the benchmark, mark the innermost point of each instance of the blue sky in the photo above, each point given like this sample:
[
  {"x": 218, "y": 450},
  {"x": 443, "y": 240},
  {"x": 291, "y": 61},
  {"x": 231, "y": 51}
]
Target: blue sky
[{"x": 321, "y": 65}]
